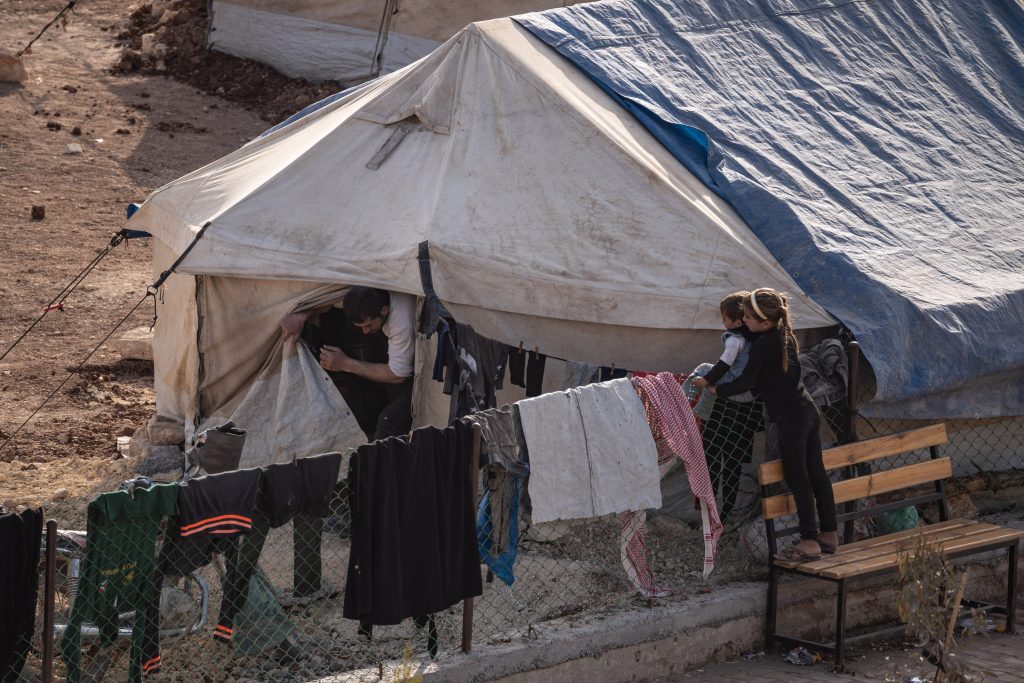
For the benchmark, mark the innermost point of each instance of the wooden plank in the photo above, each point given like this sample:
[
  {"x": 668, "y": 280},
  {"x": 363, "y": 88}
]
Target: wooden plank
[
  {"x": 864, "y": 451},
  {"x": 979, "y": 542},
  {"x": 889, "y": 544},
  {"x": 870, "y": 485},
  {"x": 904, "y": 545},
  {"x": 885, "y": 544}
]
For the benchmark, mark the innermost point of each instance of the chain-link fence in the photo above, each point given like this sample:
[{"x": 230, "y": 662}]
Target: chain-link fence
[{"x": 269, "y": 603}]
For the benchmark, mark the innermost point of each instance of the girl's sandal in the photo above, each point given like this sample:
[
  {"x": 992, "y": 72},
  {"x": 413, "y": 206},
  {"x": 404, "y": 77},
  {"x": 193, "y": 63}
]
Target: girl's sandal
[
  {"x": 827, "y": 548},
  {"x": 794, "y": 554}
]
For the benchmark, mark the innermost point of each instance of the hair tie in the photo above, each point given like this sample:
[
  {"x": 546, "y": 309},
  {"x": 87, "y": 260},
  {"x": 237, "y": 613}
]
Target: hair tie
[{"x": 753, "y": 304}]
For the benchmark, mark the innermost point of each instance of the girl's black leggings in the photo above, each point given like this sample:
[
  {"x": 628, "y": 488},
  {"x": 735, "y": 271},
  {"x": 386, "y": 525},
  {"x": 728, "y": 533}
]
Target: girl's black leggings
[{"x": 804, "y": 471}]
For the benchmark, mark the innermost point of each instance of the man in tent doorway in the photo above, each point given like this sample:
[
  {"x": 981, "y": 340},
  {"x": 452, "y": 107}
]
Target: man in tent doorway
[{"x": 367, "y": 347}]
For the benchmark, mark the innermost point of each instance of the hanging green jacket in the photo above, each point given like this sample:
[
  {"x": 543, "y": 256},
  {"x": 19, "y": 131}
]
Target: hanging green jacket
[{"x": 119, "y": 575}]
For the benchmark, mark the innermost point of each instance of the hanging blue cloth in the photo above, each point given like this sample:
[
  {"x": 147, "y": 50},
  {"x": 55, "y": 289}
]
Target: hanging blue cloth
[{"x": 501, "y": 564}]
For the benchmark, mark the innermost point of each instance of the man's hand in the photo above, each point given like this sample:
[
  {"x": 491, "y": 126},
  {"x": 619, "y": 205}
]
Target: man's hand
[
  {"x": 334, "y": 359},
  {"x": 700, "y": 382},
  {"x": 291, "y": 324}
]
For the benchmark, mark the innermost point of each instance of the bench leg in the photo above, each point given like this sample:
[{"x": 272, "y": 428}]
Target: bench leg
[
  {"x": 773, "y": 604},
  {"x": 840, "y": 626},
  {"x": 1011, "y": 590}
]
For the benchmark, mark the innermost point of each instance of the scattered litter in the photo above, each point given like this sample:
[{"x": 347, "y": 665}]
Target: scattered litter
[
  {"x": 980, "y": 625},
  {"x": 750, "y": 656},
  {"x": 801, "y": 656}
]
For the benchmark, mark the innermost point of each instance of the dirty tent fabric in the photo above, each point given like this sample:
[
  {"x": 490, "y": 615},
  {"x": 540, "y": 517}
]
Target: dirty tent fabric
[
  {"x": 591, "y": 452},
  {"x": 652, "y": 251},
  {"x": 414, "y": 543},
  {"x": 873, "y": 147},
  {"x": 20, "y": 538},
  {"x": 338, "y": 40}
]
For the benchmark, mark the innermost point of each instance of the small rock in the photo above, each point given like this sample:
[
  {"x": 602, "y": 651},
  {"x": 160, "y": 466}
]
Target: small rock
[
  {"x": 164, "y": 431},
  {"x": 73, "y": 148},
  {"x": 76, "y": 131},
  {"x": 12, "y": 69},
  {"x": 53, "y": 125},
  {"x": 29, "y": 466},
  {"x": 60, "y": 494},
  {"x": 70, "y": 88},
  {"x": 122, "y": 131},
  {"x": 161, "y": 460},
  {"x": 148, "y": 43},
  {"x": 38, "y": 212}
]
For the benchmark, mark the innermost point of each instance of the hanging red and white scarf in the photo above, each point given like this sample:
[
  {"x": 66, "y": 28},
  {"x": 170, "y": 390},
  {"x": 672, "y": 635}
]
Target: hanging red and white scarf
[{"x": 675, "y": 431}]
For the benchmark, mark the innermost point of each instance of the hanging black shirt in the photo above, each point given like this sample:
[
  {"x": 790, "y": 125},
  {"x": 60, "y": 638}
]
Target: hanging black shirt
[
  {"x": 20, "y": 537},
  {"x": 414, "y": 546}
]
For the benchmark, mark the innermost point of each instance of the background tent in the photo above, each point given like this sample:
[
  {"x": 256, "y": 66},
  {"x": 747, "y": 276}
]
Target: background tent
[
  {"x": 554, "y": 219},
  {"x": 347, "y": 40},
  {"x": 876, "y": 149}
]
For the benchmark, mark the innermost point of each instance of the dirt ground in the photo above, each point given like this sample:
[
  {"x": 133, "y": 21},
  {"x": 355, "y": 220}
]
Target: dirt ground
[{"x": 137, "y": 130}]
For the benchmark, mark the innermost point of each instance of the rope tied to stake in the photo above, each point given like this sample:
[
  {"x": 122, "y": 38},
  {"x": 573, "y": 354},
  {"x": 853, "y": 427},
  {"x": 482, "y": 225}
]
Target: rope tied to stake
[{"x": 151, "y": 291}]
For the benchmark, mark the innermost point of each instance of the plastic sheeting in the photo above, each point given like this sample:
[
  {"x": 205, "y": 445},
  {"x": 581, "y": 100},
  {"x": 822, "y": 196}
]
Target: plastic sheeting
[{"x": 874, "y": 147}]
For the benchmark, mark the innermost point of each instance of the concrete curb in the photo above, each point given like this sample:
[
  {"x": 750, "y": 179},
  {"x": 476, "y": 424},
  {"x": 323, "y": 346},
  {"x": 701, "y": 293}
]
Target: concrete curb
[{"x": 657, "y": 642}]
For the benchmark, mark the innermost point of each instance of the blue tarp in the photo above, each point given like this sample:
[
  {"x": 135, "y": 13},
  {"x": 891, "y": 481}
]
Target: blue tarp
[{"x": 876, "y": 147}]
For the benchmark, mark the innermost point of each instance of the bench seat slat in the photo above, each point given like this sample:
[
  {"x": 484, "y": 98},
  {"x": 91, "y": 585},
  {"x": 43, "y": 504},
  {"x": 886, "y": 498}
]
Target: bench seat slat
[
  {"x": 864, "y": 451},
  {"x": 870, "y": 485},
  {"x": 992, "y": 538},
  {"x": 891, "y": 543}
]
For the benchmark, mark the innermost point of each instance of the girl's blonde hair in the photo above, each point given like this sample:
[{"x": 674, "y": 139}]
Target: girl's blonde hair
[{"x": 767, "y": 304}]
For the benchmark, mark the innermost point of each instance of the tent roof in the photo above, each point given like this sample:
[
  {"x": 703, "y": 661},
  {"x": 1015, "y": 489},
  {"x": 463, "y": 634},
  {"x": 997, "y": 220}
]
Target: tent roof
[
  {"x": 873, "y": 147},
  {"x": 544, "y": 203}
]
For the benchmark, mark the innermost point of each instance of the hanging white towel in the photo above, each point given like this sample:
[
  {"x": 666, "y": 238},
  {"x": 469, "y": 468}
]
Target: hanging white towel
[{"x": 591, "y": 452}]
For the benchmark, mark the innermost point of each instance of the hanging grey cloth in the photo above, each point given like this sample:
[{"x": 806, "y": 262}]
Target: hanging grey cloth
[
  {"x": 825, "y": 372},
  {"x": 218, "y": 449}
]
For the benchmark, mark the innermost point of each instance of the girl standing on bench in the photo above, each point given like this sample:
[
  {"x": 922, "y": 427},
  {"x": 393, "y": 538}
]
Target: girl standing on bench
[{"x": 773, "y": 372}]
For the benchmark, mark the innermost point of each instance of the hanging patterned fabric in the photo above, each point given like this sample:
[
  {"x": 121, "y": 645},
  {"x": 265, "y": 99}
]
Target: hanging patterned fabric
[{"x": 675, "y": 432}]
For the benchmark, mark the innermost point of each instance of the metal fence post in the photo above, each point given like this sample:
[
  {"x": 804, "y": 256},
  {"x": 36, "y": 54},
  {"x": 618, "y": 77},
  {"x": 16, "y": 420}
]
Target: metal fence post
[
  {"x": 474, "y": 478},
  {"x": 48, "y": 590}
]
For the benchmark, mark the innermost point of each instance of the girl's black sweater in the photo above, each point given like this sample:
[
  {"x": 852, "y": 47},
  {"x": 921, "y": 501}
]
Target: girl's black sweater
[{"x": 783, "y": 393}]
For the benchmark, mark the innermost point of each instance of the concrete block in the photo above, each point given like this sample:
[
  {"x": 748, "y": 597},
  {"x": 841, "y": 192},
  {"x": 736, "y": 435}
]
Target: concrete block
[{"x": 136, "y": 344}]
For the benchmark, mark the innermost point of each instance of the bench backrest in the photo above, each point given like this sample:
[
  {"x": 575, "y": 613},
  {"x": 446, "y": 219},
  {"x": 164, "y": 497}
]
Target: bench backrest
[{"x": 850, "y": 456}]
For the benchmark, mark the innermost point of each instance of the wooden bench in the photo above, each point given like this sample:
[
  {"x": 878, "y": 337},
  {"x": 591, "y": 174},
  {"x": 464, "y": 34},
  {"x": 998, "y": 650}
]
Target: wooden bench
[{"x": 880, "y": 555}]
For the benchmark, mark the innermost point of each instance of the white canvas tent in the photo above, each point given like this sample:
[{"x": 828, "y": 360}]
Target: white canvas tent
[
  {"x": 347, "y": 40},
  {"x": 553, "y": 218}
]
